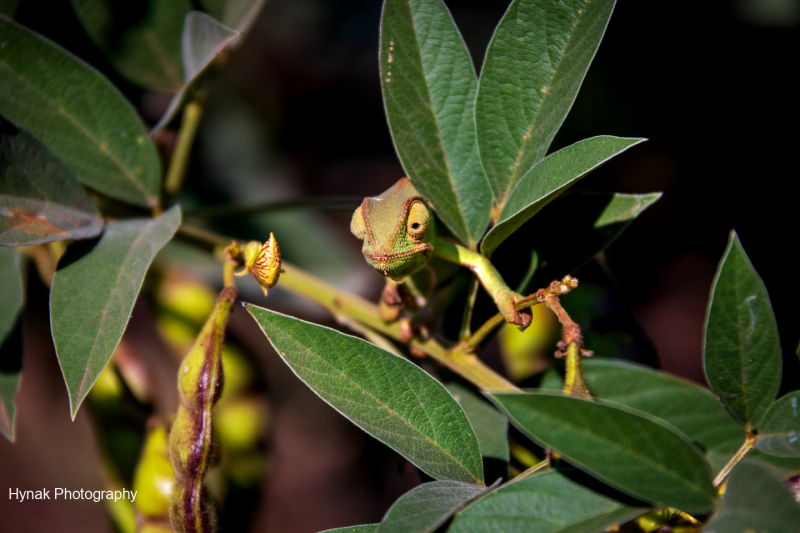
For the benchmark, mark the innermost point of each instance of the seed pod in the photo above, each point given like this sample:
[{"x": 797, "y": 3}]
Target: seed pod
[
  {"x": 191, "y": 439},
  {"x": 263, "y": 262}
]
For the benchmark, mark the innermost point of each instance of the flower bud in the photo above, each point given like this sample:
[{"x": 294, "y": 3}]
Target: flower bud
[{"x": 263, "y": 262}]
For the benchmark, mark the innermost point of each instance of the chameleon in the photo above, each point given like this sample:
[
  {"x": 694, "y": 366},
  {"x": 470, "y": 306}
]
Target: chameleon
[{"x": 399, "y": 235}]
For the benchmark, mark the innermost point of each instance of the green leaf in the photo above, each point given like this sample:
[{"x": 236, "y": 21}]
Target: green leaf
[
  {"x": 78, "y": 115},
  {"x": 203, "y": 40},
  {"x": 555, "y": 174},
  {"x": 93, "y": 293},
  {"x": 40, "y": 198},
  {"x": 11, "y": 337},
  {"x": 387, "y": 396},
  {"x": 426, "y": 507},
  {"x": 366, "y": 528},
  {"x": 142, "y": 42},
  {"x": 238, "y": 14},
  {"x": 533, "y": 70},
  {"x": 543, "y": 503},
  {"x": 637, "y": 454},
  {"x": 690, "y": 408},
  {"x": 429, "y": 87},
  {"x": 779, "y": 433},
  {"x": 755, "y": 500},
  {"x": 489, "y": 425},
  {"x": 589, "y": 221},
  {"x": 742, "y": 354}
]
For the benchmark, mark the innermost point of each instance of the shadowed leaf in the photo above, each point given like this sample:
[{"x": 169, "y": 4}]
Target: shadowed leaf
[
  {"x": 779, "y": 433},
  {"x": 631, "y": 451},
  {"x": 426, "y": 507},
  {"x": 742, "y": 354},
  {"x": 555, "y": 174},
  {"x": 202, "y": 41},
  {"x": 40, "y": 198},
  {"x": 387, "y": 396},
  {"x": 11, "y": 337},
  {"x": 543, "y": 503},
  {"x": 429, "y": 87},
  {"x": 141, "y": 39},
  {"x": 755, "y": 500},
  {"x": 533, "y": 70},
  {"x": 490, "y": 426},
  {"x": 93, "y": 293},
  {"x": 78, "y": 115}
]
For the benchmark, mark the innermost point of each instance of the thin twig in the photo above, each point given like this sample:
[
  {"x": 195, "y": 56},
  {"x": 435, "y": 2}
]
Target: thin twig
[
  {"x": 179, "y": 163},
  {"x": 749, "y": 442}
]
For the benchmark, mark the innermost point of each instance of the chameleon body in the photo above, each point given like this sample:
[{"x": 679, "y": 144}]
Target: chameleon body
[{"x": 399, "y": 235}]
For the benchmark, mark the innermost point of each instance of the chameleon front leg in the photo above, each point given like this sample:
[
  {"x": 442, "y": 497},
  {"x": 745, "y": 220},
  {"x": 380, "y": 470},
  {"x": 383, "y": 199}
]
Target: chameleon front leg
[{"x": 490, "y": 278}]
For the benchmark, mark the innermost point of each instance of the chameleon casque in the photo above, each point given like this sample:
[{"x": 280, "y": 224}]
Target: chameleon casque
[{"x": 399, "y": 235}]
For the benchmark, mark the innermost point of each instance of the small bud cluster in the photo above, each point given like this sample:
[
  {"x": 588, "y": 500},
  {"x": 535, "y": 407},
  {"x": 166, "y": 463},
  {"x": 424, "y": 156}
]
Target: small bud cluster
[{"x": 557, "y": 288}]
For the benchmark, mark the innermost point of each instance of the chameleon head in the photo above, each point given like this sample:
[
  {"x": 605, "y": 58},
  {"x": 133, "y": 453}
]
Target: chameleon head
[{"x": 397, "y": 230}]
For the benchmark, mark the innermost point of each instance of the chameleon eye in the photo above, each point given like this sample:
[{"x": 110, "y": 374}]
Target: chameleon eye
[{"x": 418, "y": 220}]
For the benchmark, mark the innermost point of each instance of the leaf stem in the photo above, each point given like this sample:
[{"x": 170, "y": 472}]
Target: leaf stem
[
  {"x": 179, "y": 162},
  {"x": 466, "y": 320},
  {"x": 749, "y": 442}
]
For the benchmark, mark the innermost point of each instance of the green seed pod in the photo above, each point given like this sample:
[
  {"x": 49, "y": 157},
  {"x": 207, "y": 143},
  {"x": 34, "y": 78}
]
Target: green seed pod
[{"x": 191, "y": 439}]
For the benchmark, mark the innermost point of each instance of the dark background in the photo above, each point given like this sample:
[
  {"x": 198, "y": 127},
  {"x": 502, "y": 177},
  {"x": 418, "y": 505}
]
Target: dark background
[{"x": 711, "y": 84}]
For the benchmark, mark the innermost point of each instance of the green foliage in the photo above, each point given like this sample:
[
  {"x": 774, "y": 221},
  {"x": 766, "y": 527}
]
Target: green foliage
[
  {"x": 779, "y": 433},
  {"x": 43, "y": 197},
  {"x": 742, "y": 350},
  {"x": 86, "y": 122},
  {"x": 147, "y": 52},
  {"x": 755, "y": 500},
  {"x": 533, "y": 70},
  {"x": 547, "y": 180},
  {"x": 544, "y": 503},
  {"x": 637, "y": 454},
  {"x": 490, "y": 426},
  {"x": 477, "y": 149},
  {"x": 93, "y": 293},
  {"x": 11, "y": 309},
  {"x": 424, "y": 508},
  {"x": 429, "y": 87},
  {"x": 385, "y": 395}
]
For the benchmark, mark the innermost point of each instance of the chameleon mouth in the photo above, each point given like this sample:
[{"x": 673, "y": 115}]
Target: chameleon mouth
[{"x": 388, "y": 263}]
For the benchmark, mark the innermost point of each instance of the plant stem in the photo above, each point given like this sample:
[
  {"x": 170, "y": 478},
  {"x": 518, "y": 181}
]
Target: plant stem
[
  {"x": 327, "y": 204},
  {"x": 532, "y": 470},
  {"x": 467, "y": 318},
  {"x": 472, "y": 344},
  {"x": 340, "y": 302},
  {"x": 183, "y": 148},
  {"x": 343, "y": 303},
  {"x": 574, "y": 384},
  {"x": 749, "y": 442}
]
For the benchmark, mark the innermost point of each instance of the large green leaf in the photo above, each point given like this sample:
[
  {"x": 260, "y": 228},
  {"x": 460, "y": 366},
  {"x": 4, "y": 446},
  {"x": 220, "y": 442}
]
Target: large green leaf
[
  {"x": 93, "y": 293},
  {"x": 387, "y": 396},
  {"x": 742, "y": 354},
  {"x": 11, "y": 336},
  {"x": 40, "y": 198},
  {"x": 429, "y": 87},
  {"x": 426, "y": 507},
  {"x": 629, "y": 450},
  {"x": 238, "y": 14},
  {"x": 533, "y": 70},
  {"x": 689, "y": 407},
  {"x": 779, "y": 433},
  {"x": 202, "y": 41},
  {"x": 490, "y": 426},
  {"x": 543, "y": 503},
  {"x": 755, "y": 500},
  {"x": 141, "y": 39},
  {"x": 78, "y": 115},
  {"x": 555, "y": 174}
]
